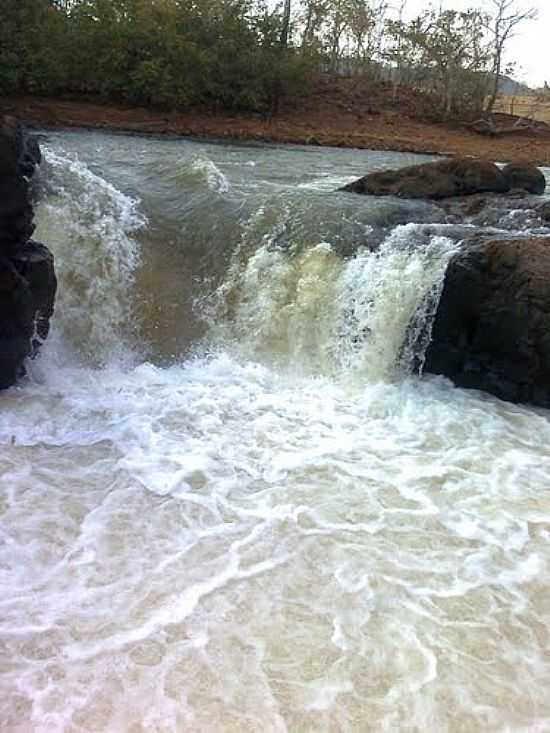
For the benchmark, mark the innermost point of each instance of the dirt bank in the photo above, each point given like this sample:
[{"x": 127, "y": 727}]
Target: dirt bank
[{"x": 322, "y": 123}]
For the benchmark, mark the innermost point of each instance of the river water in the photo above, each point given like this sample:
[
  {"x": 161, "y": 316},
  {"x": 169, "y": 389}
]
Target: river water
[{"x": 228, "y": 502}]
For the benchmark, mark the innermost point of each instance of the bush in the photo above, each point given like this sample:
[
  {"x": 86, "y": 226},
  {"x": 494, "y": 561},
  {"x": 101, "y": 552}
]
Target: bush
[{"x": 154, "y": 52}]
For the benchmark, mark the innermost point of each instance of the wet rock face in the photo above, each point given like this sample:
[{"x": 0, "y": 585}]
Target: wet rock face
[
  {"x": 27, "y": 277},
  {"x": 492, "y": 328},
  {"x": 446, "y": 178}
]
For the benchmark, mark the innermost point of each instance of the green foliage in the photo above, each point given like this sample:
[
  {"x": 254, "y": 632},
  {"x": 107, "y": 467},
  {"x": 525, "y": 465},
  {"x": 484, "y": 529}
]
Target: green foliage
[
  {"x": 248, "y": 54},
  {"x": 169, "y": 53},
  {"x": 445, "y": 53}
]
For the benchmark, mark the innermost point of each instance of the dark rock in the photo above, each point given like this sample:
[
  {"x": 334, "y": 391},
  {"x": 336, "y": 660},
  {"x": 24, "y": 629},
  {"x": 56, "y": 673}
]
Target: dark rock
[
  {"x": 544, "y": 211},
  {"x": 475, "y": 206},
  {"x": 524, "y": 177},
  {"x": 492, "y": 327},
  {"x": 27, "y": 277},
  {"x": 513, "y": 211},
  {"x": 444, "y": 178},
  {"x": 18, "y": 149},
  {"x": 32, "y": 152},
  {"x": 447, "y": 178},
  {"x": 19, "y": 155},
  {"x": 11, "y": 147},
  {"x": 27, "y": 293},
  {"x": 35, "y": 263},
  {"x": 466, "y": 207},
  {"x": 16, "y": 214},
  {"x": 16, "y": 323}
]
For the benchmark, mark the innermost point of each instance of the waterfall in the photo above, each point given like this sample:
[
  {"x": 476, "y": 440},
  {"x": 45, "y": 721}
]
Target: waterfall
[
  {"x": 93, "y": 227},
  {"x": 282, "y": 528}
]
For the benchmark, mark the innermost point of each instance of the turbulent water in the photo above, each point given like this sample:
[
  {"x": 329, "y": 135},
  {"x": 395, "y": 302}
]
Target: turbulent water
[{"x": 228, "y": 502}]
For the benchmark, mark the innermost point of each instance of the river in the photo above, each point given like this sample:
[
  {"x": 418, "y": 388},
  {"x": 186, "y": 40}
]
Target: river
[{"x": 228, "y": 501}]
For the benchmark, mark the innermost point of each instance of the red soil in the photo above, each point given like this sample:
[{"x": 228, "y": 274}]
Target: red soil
[{"x": 335, "y": 117}]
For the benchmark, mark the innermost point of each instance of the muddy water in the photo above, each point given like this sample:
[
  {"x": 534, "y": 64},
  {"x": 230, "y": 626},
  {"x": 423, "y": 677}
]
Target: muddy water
[{"x": 227, "y": 503}]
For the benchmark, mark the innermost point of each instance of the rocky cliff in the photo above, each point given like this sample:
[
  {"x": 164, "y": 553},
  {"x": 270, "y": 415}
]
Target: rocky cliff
[
  {"x": 492, "y": 328},
  {"x": 27, "y": 276}
]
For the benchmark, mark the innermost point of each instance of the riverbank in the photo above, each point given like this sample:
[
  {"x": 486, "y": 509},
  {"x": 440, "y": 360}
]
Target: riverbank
[{"x": 318, "y": 124}]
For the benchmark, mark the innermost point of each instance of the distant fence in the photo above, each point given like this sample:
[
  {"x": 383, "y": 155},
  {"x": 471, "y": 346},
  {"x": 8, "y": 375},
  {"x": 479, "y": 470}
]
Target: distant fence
[{"x": 532, "y": 107}]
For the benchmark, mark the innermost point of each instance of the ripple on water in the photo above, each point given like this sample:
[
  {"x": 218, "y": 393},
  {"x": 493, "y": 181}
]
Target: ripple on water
[
  {"x": 221, "y": 547},
  {"x": 232, "y": 546}
]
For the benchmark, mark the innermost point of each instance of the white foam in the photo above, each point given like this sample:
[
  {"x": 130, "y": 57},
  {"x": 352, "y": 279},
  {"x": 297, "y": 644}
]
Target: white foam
[
  {"x": 220, "y": 507},
  {"x": 216, "y": 180},
  {"x": 312, "y": 310},
  {"x": 89, "y": 226},
  {"x": 291, "y": 535}
]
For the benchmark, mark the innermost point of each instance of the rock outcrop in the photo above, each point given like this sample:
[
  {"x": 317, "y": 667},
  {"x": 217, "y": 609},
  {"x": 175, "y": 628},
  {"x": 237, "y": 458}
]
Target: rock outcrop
[
  {"x": 27, "y": 277},
  {"x": 492, "y": 327},
  {"x": 545, "y": 211},
  {"x": 445, "y": 178}
]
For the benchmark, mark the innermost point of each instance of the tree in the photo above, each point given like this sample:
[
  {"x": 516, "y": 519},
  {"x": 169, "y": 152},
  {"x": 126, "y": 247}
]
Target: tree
[
  {"x": 230, "y": 54},
  {"x": 313, "y": 19},
  {"x": 285, "y": 28},
  {"x": 445, "y": 53},
  {"x": 501, "y": 26}
]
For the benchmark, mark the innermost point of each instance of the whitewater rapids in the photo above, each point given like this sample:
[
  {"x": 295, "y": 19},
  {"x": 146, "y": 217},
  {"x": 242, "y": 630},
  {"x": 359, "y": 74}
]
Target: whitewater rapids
[{"x": 228, "y": 502}]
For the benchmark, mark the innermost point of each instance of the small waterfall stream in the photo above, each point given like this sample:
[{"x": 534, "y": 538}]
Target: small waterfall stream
[{"x": 228, "y": 502}]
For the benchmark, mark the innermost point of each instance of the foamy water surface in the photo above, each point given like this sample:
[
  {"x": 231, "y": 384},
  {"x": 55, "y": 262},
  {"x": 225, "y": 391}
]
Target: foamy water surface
[{"x": 226, "y": 504}]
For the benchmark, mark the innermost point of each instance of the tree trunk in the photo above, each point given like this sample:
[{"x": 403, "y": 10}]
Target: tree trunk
[
  {"x": 285, "y": 30},
  {"x": 496, "y": 81},
  {"x": 307, "y": 28}
]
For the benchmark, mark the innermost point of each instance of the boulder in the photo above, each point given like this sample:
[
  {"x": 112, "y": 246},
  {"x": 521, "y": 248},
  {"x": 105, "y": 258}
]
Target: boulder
[
  {"x": 524, "y": 177},
  {"x": 439, "y": 180},
  {"x": 492, "y": 326},
  {"x": 27, "y": 276},
  {"x": 452, "y": 177}
]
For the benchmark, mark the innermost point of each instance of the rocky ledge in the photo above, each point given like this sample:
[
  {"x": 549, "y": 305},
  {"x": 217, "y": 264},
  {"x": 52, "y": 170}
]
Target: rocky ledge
[
  {"x": 27, "y": 276},
  {"x": 492, "y": 327}
]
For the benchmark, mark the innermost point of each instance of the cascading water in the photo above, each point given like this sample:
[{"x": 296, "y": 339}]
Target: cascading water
[
  {"x": 318, "y": 312},
  {"x": 92, "y": 224},
  {"x": 227, "y": 502}
]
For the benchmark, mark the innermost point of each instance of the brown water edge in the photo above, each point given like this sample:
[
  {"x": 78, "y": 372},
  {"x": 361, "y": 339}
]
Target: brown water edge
[{"x": 335, "y": 127}]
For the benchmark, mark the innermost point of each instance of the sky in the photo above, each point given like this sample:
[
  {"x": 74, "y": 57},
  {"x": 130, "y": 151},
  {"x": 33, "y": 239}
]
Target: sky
[{"x": 529, "y": 48}]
